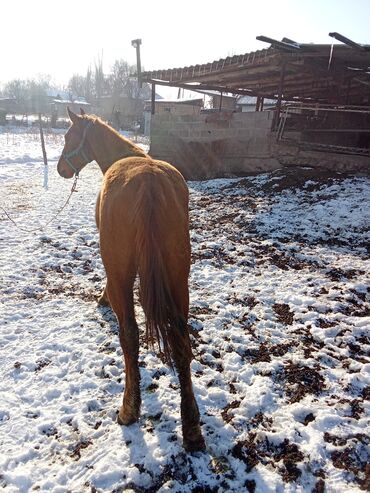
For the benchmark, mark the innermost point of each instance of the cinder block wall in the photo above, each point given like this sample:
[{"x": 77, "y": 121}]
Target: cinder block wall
[
  {"x": 209, "y": 145},
  {"x": 222, "y": 144}
]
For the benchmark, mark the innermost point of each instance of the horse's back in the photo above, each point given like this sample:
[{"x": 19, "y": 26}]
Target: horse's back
[{"x": 156, "y": 184}]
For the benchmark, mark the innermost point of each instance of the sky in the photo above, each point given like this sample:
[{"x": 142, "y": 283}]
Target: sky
[{"x": 64, "y": 38}]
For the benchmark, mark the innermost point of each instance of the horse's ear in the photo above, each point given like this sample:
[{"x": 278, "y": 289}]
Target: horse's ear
[
  {"x": 74, "y": 118},
  {"x": 82, "y": 112}
]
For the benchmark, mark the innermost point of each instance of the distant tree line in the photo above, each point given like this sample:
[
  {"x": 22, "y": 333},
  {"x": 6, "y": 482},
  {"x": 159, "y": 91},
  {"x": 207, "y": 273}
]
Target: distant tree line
[
  {"x": 96, "y": 84},
  {"x": 33, "y": 95},
  {"x": 30, "y": 94}
]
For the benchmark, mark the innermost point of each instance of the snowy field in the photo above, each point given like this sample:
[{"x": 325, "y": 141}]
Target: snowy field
[{"x": 279, "y": 320}]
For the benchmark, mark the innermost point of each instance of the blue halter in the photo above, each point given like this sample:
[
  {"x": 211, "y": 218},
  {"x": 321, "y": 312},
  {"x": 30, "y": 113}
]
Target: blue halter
[{"x": 79, "y": 150}]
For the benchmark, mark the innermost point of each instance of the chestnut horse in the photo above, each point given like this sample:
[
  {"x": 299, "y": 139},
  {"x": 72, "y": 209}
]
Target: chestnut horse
[{"x": 142, "y": 216}]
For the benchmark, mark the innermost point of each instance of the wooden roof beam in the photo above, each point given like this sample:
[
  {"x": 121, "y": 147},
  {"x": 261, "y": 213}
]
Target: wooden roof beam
[
  {"x": 203, "y": 87},
  {"x": 287, "y": 40},
  {"x": 279, "y": 44},
  {"x": 348, "y": 42}
]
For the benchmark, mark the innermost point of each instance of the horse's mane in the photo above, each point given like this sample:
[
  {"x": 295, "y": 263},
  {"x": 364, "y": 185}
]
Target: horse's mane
[{"x": 97, "y": 120}]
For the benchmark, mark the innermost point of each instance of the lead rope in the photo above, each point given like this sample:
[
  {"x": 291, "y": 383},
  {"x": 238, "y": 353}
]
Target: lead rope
[{"x": 41, "y": 228}]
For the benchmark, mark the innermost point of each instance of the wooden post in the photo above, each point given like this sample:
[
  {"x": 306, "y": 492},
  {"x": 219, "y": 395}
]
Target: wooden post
[
  {"x": 258, "y": 103},
  {"x": 153, "y": 98},
  {"x": 220, "y": 106},
  {"x": 280, "y": 96},
  {"x": 44, "y": 153},
  {"x": 136, "y": 44},
  {"x": 42, "y": 141},
  {"x": 261, "y": 103}
]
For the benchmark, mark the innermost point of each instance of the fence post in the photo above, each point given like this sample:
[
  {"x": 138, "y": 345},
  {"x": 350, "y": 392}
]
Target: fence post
[{"x": 43, "y": 153}]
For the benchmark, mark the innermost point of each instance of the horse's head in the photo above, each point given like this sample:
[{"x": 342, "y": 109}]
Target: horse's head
[{"x": 76, "y": 152}]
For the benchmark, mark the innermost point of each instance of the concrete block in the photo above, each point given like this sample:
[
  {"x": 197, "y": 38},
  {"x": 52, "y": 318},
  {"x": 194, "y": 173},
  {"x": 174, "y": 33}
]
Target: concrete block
[
  {"x": 243, "y": 133},
  {"x": 179, "y": 132}
]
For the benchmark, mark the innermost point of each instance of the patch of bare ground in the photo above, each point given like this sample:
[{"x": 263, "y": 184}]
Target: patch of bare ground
[
  {"x": 226, "y": 416},
  {"x": 283, "y": 313},
  {"x": 337, "y": 274},
  {"x": 285, "y": 455},
  {"x": 297, "y": 177},
  {"x": 275, "y": 255},
  {"x": 77, "y": 447},
  {"x": 301, "y": 380},
  {"x": 264, "y": 352},
  {"x": 354, "y": 460},
  {"x": 247, "y": 301},
  {"x": 309, "y": 344}
]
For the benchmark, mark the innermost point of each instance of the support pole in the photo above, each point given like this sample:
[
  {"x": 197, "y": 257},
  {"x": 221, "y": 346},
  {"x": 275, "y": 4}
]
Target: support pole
[
  {"x": 153, "y": 98},
  {"x": 44, "y": 155},
  {"x": 279, "y": 99},
  {"x": 220, "y": 106},
  {"x": 258, "y": 103},
  {"x": 136, "y": 44}
]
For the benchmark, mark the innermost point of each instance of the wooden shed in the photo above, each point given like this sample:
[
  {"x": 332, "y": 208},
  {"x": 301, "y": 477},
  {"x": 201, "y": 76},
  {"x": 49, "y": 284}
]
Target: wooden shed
[{"x": 321, "y": 112}]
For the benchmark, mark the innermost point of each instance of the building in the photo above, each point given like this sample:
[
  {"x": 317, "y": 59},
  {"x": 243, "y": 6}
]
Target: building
[
  {"x": 124, "y": 110},
  {"x": 60, "y": 102},
  {"x": 173, "y": 107},
  {"x": 7, "y": 105}
]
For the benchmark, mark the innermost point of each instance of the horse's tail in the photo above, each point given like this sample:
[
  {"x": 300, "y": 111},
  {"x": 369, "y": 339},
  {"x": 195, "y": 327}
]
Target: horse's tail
[{"x": 165, "y": 324}]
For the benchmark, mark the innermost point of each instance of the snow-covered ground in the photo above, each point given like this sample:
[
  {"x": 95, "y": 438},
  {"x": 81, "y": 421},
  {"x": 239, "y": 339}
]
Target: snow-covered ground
[{"x": 279, "y": 320}]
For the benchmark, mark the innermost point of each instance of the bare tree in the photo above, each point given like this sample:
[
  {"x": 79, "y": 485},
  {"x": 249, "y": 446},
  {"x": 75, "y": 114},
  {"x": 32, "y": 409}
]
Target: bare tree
[
  {"x": 16, "y": 89},
  {"x": 30, "y": 94},
  {"x": 38, "y": 92},
  {"x": 77, "y": 85},
  {"x": 119, "y": 77},
  {"x": 99, "y": 79},
  {"x": 89, "y": 85}
]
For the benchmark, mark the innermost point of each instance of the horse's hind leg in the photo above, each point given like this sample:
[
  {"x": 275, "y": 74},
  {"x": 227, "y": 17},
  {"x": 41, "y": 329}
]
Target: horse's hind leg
[
  {"x": 181, "y": 351},
  {"x": 180, "y": 346},
  {"x": 121, "y": 300}
]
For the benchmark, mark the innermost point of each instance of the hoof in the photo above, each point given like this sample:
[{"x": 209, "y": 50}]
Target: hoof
[
  {"x": 194, "y": 442},
  {"x": 126, "y": 419},
  {"x": 102, "y": 301},
  {"x": 195, "y": 445}
]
